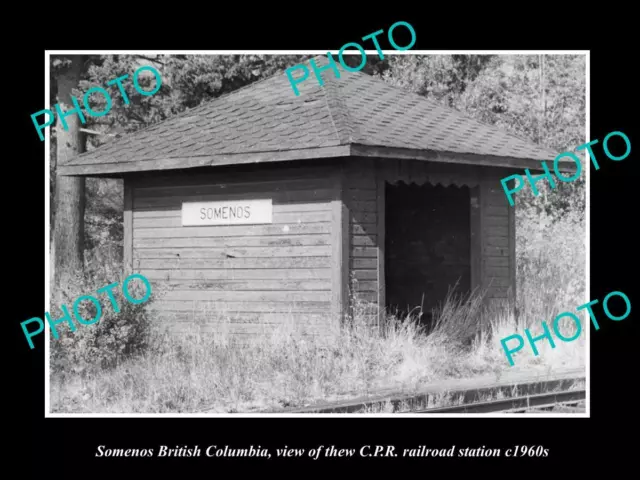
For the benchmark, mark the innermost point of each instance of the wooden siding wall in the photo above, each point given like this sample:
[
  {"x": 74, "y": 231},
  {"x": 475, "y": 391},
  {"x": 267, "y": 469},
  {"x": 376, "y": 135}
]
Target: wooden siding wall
[
  {"x": 258, "y": 276},
  {"x": 263, "y": 276},
  {"x": 492, "y": 247},
  {"x": 497, "y": 240}
]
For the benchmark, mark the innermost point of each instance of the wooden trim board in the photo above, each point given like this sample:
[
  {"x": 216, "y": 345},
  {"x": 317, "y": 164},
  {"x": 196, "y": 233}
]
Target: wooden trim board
[
  {"x": 128, "y": 226},
  {"x": 512, "y": 258},
  {"x": 459, "y": 158},
  {"x": 155, "y": 164},
  {"x": 476, "y": 238},
  {"x": 109, "y": 167},
  {"x": 381, "y": 206},
  {"x": 339, "y": 248}
]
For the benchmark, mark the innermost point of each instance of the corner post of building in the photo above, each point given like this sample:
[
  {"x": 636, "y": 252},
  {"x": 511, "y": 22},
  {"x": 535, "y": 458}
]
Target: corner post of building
[
  {"x": 476, "y": 238},
  {"x": 479, "y": 260},
  {"x": 512, "y": 261},
  {"x": 340, "y": 247},
  {"x": 128, "y": 227},
  {"x": 381, "y": 239}
]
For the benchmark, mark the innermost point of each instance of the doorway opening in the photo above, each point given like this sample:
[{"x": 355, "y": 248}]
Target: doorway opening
[{"x": 427, "y": 247}]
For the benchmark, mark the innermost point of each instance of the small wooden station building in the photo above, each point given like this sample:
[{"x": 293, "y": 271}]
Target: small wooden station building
[{"x": 270, "y": 206}]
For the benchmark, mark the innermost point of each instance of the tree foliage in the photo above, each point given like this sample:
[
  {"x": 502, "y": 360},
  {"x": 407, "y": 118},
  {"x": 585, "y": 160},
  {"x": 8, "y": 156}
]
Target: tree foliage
[
  {"x": 187, "y": 81},
  {"x": 540, "y": 98},
  {"x": 118, "y": 333},
  {"x": 441, "y": 77}
]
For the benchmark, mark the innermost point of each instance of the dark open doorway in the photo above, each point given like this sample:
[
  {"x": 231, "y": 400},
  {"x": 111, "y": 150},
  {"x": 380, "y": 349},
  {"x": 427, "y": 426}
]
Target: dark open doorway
[{"x": 427, "y": 246}]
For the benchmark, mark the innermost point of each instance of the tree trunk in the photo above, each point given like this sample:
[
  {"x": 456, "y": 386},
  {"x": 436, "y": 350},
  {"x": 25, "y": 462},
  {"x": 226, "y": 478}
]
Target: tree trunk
[{"x": 70, "y": 191}]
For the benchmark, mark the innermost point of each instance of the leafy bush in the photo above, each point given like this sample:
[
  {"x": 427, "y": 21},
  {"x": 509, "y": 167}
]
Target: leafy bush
[
  {"x": 115, "y": 337},
  {"x": 551, "y": 261}
]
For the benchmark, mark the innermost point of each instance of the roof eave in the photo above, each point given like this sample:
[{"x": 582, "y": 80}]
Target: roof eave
[
  {"x": 119, "y": 168},
  {"x": 144, "y": 165},
  {"x": 454, "y": 157}
]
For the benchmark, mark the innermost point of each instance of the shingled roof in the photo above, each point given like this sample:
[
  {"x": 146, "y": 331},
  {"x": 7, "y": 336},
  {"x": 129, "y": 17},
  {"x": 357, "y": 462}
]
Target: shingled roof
[{"x": 355, "y": 115}]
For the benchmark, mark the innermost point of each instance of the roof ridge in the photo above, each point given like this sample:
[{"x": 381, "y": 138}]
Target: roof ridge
[
  {"x": 339, "y": 112},
  {"x": 331, "y": 116}
]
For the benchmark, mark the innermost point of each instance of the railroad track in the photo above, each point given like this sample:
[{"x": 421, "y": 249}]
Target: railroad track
[
  {"x": 572, "y": 401},
  {"x": 562, "y": 392}
]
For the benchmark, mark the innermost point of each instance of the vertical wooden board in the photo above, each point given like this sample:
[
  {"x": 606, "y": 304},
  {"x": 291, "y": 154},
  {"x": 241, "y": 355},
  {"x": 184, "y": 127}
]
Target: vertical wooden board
[
  {"x": 339, "y": 247},
  {"x": 128, "y": 226},
  {"x": 336, "y": 254},
  {"x": 381, "y": 238},
  {"x": 345, "y": 237},
  {"x": 512, "y": 257},
  {"x": 489, "y": 211},
  {"x": 482, "y": 191},
  {"x": 360, "y": 195},
  {"x": 496, "y": 249},
  {"x": 476, "y": 237}
]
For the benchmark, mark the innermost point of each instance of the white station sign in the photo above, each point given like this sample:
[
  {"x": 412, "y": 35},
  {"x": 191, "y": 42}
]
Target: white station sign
[{"x": 237, "y": 212}]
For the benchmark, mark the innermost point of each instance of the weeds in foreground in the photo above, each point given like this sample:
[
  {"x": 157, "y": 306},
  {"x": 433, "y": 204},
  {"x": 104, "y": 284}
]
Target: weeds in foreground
[{"x": 194, "y": 371}]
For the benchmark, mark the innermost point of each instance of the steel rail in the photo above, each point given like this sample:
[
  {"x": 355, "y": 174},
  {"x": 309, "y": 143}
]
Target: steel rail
[
  {"x": 416, "y": 402},
  {"x": 514, "y": 403},
  {"x": 458, "y": 395}
]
